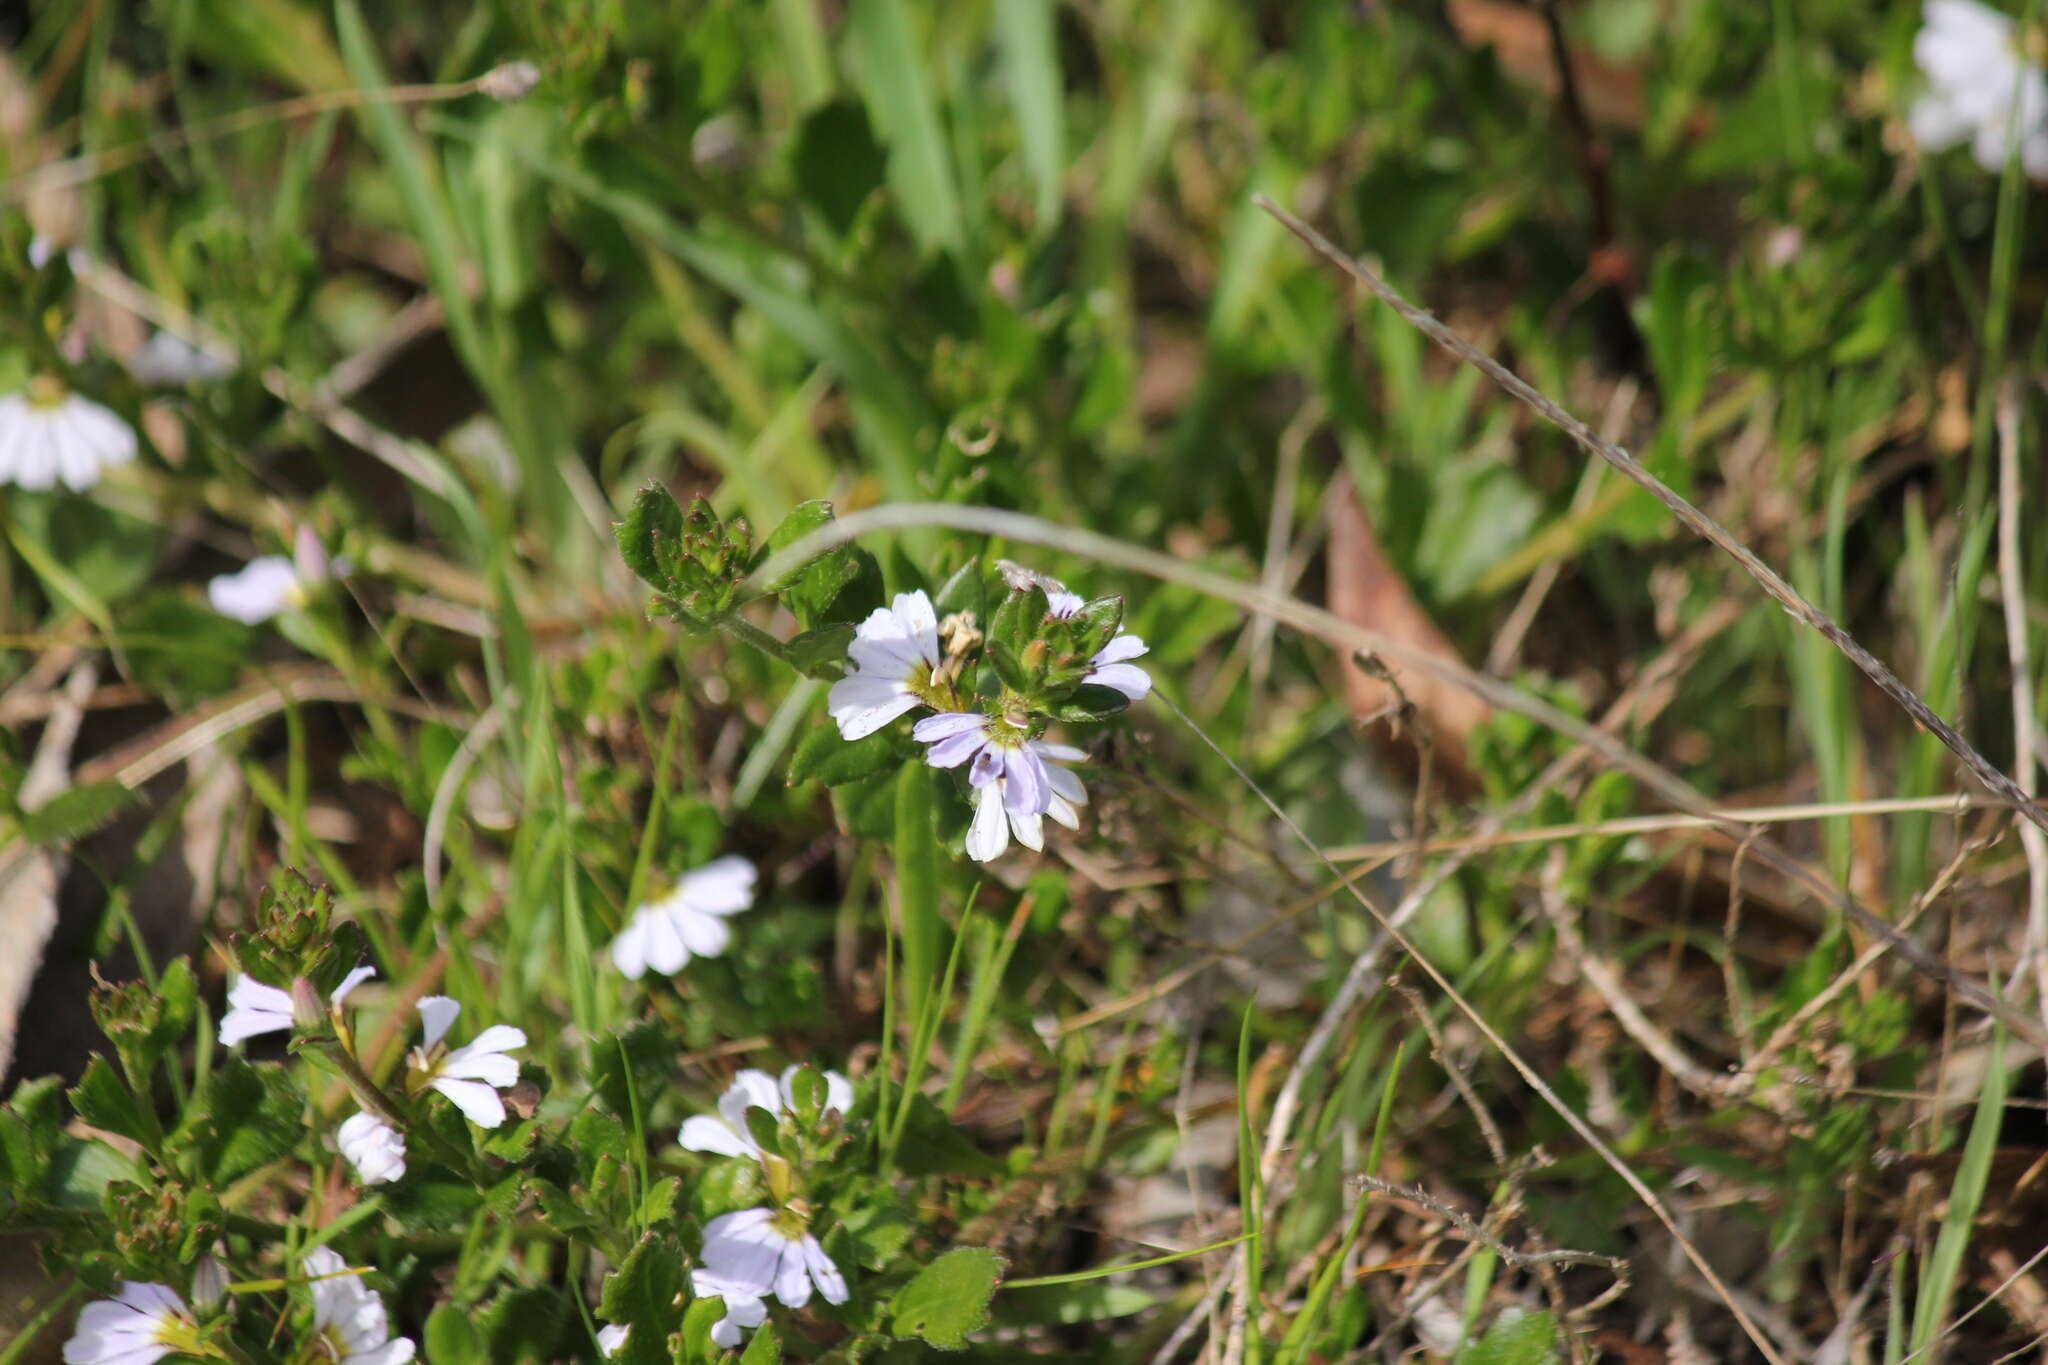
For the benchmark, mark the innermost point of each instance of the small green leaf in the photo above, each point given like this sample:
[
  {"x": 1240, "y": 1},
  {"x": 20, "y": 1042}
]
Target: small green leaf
[
  {"x": 948, "y": 1299},
  {"x": 646, "y": 1049},
  {"x": 104, "y": 1100},
  {"x": 1516, "y": 1338},
  {"x": 764, "y": 1349},
  {"x": 932, "y": 1145},
  {"x": 433, "y": 1200},
  {"x": 652, "y": 529},
  {"x": 642, "y": 1294},
  {"x": 825, "y": 757},
  {"x": 74, "y": 812},
  {"x": 820, "y": 653},
  {"x": 31, "y": 1125},
  {"x": 452, "y": 1339},
  {"x": 1089, "y": 702},
  {"x": 251, "y": 1115},
  {"x": 525, "y": 1324}
]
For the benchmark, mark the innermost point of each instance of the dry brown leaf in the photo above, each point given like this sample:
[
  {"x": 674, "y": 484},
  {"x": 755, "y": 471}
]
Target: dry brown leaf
[
  {"x": 1366, "y": 589},
  {"x": 1612, "y": 95}
]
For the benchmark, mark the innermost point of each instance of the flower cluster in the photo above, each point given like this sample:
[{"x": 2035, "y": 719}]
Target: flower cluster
[
  {"x": 144, "y": 1322},
  {"x": 1982, "y": 87},
  {"x": 754, "y": 1254},
  {"x": 1048, "y": 654}
]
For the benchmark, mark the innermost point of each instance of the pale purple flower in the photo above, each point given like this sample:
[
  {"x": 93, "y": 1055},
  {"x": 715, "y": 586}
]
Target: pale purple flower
[
  {"x": 991, "y": 749},
  {"x": 348, "y": 1317},
  {"x": 688, "y": 922},
  {"x": 894, "y": 652},
  {"x": 254, "y": 1008},
  {"x": 725, "y": 1132},
  {"x": 760, "y": 1252},
  {"x": 742, "y": 1307},
  {"x": 141, "y": 1324},
  {"x": 470, "y": 1076},
  {"x": 49, "y": 435},
  {"x": 373, "y": 1147},
  {"x": 1980, "y": 87},
  {"x": 995, "y": 818}
]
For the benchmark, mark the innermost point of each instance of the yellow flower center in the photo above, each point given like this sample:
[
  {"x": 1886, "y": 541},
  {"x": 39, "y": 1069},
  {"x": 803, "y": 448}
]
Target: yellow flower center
[{"x": 47, "y": 391}]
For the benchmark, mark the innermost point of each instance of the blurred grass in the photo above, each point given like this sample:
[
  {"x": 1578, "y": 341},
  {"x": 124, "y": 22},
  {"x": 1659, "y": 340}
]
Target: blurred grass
[{"x": 1005, "y": 254}]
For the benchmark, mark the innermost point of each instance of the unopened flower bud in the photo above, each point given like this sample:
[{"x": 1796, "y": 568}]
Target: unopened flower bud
[
  {"x": 512, "y": 81},
  {"x": 209, "y": 1281},
  {"x": 309, "y": 1013}
]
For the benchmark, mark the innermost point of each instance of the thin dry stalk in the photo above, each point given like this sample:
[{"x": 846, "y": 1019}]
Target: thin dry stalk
[
  {"x": 1530, "y": 1077},
  {"x": 1699, "y": 522},
  {"x": 1606, "y": 982},
  {"x": 2013, "y": 589}
]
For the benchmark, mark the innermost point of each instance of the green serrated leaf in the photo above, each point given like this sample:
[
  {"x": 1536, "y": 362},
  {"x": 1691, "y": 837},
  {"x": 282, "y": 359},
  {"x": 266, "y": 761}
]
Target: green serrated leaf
[
  {"x": 1516, "y": 1338},
  {"x": 659, "y": 1204},
  {"x": 1088, "y": 703},
  {"x": 251, "y": 1115},
  {"x": 764, "y": 1349},
  {"x": 104, "y": 1100},
  {"x": 824, "y": 757},
  {"x": 525, "y": 1324},
  {"x": 452, "y": 1339},
  {"x": 821, "y": 653},
  {"x": 434, "y": 1200},
  {"x": 642, "y": 1295},
  {"x": 948, "y": 1299},
  {"x": 868, "y": 807},
  {"x": 933, "y": 1146},
  {"x": 646, "y": 1049},
  {"x": 648, "y": 536},
  {"x": 31, "y": 1125},
  {"x": 74, "y": 812}
]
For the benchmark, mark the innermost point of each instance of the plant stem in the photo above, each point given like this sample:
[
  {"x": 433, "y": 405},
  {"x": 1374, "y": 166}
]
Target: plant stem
[{"x": 746, "y": 632}]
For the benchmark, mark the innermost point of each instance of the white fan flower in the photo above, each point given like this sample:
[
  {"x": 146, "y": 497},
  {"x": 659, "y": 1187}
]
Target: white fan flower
[
  {"x": 349, "y": 1318},
  {"x": 743, "y": 1309},
  {"x": 254, "y": 1008},
  {"x": 725, "y": 1132},
  {"x": 373, "y": 1147},
  {"x": 469, "y": 1076},
  {"x": 688, "y": 922},
  {"x": 611, "y": 1338},
  {"x": 894, "y": 653},
  {"x": 141, "y": 1324},
  {"x": 270, "y": 584},
  {"x": 760, "y": 1252},
  {"x": 996, "y": 817},
  {"x": 49, "y": 435},
  {"x": 1981, "y": 87}
]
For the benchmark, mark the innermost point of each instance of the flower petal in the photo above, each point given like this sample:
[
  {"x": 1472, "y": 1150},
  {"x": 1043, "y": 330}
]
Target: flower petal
[
  {"x": 478, "y": 1102},
  {"x": 437, "y": 1012}
]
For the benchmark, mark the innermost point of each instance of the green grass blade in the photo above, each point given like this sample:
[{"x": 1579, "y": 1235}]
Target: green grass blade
[
  {"x": 1028, "y": 37},
  {"x": 895, "y": 77},
  {"x": 1944, "y": 1268}
]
